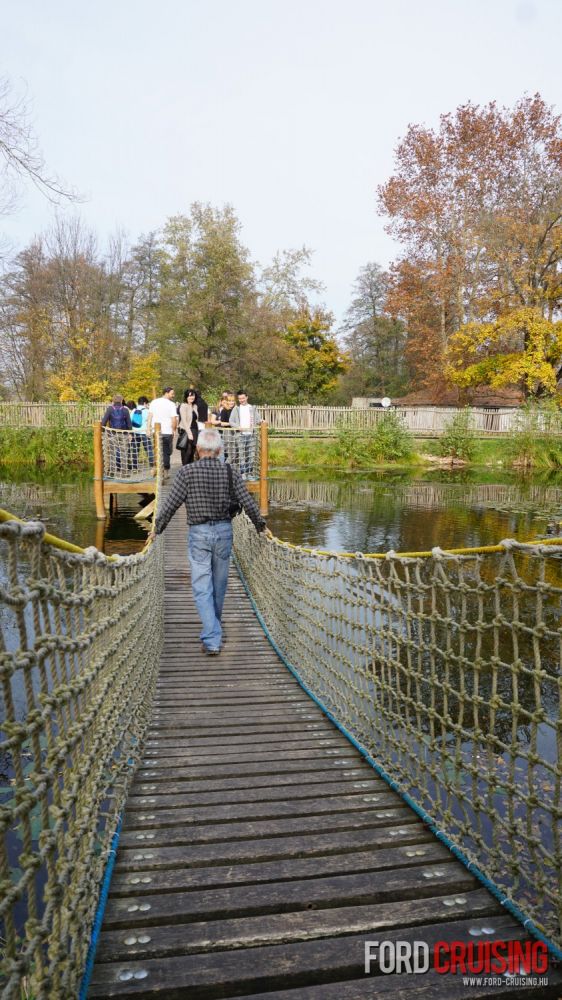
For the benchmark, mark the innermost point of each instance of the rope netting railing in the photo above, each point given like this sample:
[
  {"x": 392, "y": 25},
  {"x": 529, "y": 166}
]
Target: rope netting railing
[
  {"x": 446, "y": 669},
  {"x": 80, "y": 645},
  {"x": 242, "y": 449},
  {"x": 128, "y": 456}
]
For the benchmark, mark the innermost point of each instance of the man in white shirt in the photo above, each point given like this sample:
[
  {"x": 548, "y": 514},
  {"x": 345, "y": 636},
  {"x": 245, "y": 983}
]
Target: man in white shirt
[
  {"x": 247, "y": 418},
  {"x": 163, "y": 411}
]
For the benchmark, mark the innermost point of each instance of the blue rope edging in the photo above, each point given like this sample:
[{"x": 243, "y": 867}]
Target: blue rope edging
[
  {"x": 419, "y": 810},
  {"x": 102, "y": 901}
]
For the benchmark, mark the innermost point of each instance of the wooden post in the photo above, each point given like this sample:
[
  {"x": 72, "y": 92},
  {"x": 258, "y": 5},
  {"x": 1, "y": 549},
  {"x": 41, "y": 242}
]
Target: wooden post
[
  {"x": 264, "y": 467},
  {"x": 100, "y": 535},
  {"x": 156, "y": 446},
  {"x": 98, "y": 472}
]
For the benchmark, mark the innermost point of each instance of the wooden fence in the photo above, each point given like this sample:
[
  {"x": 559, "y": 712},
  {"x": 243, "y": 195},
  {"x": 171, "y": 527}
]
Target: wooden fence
[
  {"x": 50, "y": 414},
  {"x": 420, "y": 420}
]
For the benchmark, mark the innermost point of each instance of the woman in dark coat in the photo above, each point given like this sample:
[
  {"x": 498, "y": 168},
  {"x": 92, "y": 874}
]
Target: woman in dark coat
[{"x": 189, "y": 416}]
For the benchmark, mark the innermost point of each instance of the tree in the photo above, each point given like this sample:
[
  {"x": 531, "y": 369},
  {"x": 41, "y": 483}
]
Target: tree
[
  {"x": 26, "y": 341},
  {"x": 374, "y": 340},
  {"x": 521, "y": 347},
  {"x": 60, "y": 316},
  {"x": 477, "y": 205},
  {"x": 284, "y": 289},
  {"x": 316, "y": 359},
  {"x": 143, "y": 376},
  {"x": 206, "y": 283}
]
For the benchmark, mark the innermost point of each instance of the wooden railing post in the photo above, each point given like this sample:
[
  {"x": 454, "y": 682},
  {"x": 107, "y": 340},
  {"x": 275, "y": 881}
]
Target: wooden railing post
[
  {"x": 156, "y": 443},
  {"x": 264, "y": 467},
  {"x": 98, "y": 472}
]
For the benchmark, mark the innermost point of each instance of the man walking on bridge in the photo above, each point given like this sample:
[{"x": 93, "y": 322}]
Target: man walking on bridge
[{"x": 204, "y": 487}]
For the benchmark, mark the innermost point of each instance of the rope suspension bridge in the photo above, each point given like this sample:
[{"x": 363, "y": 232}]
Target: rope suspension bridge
[{"x": 377, "y": 752}]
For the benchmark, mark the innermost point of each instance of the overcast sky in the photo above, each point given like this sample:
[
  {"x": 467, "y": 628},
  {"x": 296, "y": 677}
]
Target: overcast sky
[{"x": 289, "y": 110}]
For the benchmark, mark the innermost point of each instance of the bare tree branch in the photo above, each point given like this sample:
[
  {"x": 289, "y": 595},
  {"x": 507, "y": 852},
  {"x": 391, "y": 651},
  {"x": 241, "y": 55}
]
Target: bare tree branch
[{"x": 20, "y": 156}]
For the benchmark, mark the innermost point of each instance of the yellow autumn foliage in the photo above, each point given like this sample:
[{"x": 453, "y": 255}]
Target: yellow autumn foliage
[
  {"x": 143, "y": 376},
  {"x": 521, "y": 347}
]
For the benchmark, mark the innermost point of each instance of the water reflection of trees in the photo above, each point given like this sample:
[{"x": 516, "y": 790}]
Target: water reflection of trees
[
  {"x": 375, "y": 516},
  {"x": 356, "y": 494}
]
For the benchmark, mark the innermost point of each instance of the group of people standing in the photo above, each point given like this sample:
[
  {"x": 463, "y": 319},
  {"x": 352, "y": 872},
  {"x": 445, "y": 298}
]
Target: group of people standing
[
  {"x": 240, "y": 417},
  {"x": 188, "y": 419}
]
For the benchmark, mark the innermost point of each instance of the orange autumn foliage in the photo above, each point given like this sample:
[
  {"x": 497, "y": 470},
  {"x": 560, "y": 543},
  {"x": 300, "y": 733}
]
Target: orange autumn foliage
[{"x": 477, "y": 207}]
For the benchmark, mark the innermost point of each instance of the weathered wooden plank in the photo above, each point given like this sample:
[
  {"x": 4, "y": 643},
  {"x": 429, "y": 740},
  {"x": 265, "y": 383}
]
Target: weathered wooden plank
[
  {"x": 258, "y": 754},
  {"x": 249, "y": 932},
  {"x": 154, "y": 795},
  {"x": 206, "y": 976},
  {"x": 176, "y": 880},
  {"x": 221, "y": 852},
  {"x": 447, "y": 877},
  {"x": 400, "y": 816},
  {"x": 296, "y": 779},
  {"x": 429, "y": 986},
  {"x": 175, "y": 745},
  {"x": 208, "y": 744},
  {"x": 262, "y": 809},
  {"x": 186, "y": 771}
]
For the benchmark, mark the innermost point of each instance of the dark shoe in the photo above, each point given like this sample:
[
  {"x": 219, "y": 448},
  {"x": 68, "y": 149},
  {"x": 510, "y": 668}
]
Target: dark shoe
[{"x": 209, "y": 650}]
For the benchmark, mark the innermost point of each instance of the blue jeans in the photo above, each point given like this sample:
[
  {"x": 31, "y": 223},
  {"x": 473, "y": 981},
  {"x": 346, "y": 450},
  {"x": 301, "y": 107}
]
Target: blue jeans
[{"x": 208, "y": 548}]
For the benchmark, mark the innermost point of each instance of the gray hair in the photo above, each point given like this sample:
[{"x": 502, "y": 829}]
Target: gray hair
[{"x": 209, "y": 440}]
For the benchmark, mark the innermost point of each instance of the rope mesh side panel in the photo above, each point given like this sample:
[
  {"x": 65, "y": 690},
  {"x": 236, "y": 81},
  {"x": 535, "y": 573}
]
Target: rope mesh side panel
[
  {"x": 243, "y": 451},
  {"x": 448, "y": 670},
  {"x": 128, "y": 456},
  {"x": 79, "y": 652}
]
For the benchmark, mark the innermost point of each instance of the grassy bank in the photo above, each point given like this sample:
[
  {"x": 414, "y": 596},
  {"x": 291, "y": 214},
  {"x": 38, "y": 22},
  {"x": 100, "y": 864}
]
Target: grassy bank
[
  {"x": 323, "y": 453},
  {"x": 71, "y": 447},
  {"x": 47, "y": 447}
]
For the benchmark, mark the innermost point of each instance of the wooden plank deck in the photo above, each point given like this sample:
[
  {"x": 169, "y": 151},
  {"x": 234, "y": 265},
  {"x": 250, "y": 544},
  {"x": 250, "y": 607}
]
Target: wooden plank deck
[{"x": 259, "y": 851}]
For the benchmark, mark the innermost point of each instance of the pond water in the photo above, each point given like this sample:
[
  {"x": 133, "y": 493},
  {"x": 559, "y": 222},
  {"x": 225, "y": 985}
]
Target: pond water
[{"x": 398, "y": 510}]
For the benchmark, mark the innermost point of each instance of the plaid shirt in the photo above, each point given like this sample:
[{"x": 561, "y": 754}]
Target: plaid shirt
[{"x": 203, "y": 488}]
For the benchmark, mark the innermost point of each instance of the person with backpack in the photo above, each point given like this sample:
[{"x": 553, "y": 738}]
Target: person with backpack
[
  {"x": 139, "y": 422},
  {"x": 118, "y": 418}
]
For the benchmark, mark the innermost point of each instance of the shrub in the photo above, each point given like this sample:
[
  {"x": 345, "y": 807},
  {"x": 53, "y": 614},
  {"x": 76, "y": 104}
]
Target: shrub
[
  {"x": 388, "y": 442},
  {"x": 457, "y": 440},
  {"x": 537, "y": 438},
  {"x": 65, "y": 446}
]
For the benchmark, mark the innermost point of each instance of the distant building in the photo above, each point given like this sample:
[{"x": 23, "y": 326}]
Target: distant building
[
  {"x": 366, "y": 402},
  {"x": 482, "y": 397}
]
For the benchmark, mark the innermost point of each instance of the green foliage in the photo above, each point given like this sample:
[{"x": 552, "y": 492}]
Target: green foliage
[
  {"x": 458, "y": 440},
  {"x": 54, "y": 447},
  {"x": 316, "y": 360},
  {"x": 375, "y": 341},
  {"x": 388, "y": 442},
  {"x": 537, "y": 441}
]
